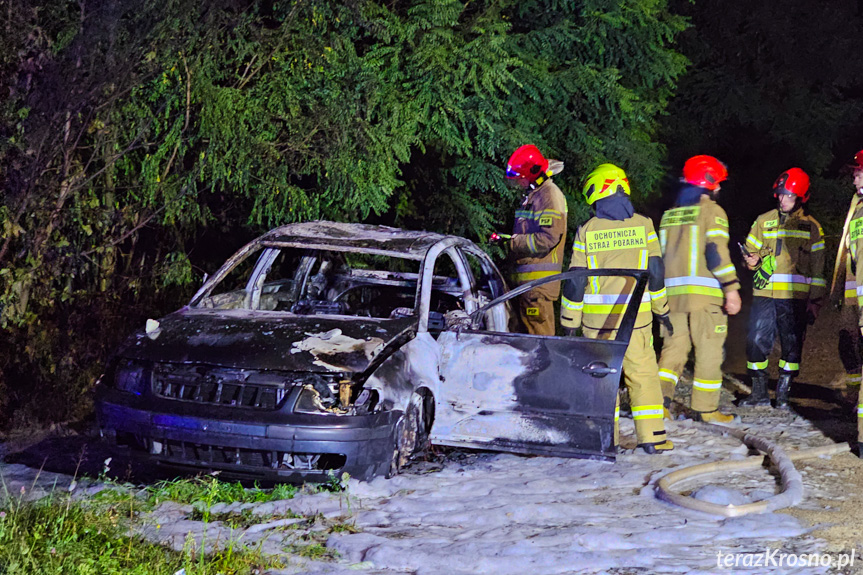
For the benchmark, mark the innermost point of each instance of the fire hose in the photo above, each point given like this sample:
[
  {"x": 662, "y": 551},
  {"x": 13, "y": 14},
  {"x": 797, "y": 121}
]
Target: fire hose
[{"x": 791, "y": 482}]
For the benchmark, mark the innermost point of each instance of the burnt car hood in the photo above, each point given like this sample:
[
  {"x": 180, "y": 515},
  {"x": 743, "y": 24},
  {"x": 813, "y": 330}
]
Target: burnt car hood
[{"x": 270, "y": 340}]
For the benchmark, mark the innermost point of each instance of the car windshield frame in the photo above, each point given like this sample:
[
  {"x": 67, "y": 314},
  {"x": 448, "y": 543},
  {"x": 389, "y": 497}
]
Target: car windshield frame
[{"x": 267, "y": 250}]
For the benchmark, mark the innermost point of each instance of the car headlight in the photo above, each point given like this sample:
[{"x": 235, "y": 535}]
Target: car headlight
[
  {"x": 131, "y": 377},
  {"x": 321, "y": 394}
]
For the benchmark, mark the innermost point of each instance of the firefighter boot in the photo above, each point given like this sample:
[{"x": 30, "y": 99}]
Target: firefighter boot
[
  {"x": 860, "y": 425},
  {"x": 758, "y": 397},
  {"x": 783, "y": 387},
  {"x": 654, "y": 448},
  {"x": 713, "y": 417}
]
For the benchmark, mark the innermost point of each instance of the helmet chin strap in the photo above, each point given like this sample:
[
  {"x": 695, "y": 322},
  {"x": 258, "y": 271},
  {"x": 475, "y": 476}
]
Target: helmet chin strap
[
  {"x": 540, "y": 180},
  {"x": 537, "y": 182}
]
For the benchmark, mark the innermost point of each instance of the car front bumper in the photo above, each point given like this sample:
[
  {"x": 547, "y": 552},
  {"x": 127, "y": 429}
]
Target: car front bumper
[{"x": 361, "y": 446}]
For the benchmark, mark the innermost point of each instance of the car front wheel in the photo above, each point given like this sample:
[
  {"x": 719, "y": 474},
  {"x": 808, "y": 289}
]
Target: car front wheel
[{"x": 411, "y": 432}]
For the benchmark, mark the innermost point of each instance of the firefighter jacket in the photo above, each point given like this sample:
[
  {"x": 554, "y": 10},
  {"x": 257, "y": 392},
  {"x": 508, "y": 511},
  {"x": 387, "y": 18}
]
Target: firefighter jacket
[
  {"x": 698, "y": 268},
  {"x": 855, "y": 249},
  {"x": 796, "y": 241},
  {"x": 600, "y": 302},
  {"x": 852, "y": 280},
  {"x": 539, "y": 237}
]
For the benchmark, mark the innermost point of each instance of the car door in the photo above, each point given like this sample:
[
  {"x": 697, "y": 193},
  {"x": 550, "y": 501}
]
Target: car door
[{"x": 532, "y": 394}]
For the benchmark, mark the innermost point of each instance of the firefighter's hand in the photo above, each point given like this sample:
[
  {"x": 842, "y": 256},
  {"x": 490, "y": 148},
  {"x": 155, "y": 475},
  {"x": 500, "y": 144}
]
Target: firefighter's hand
[
  {"x": 666, "y": 330},
  {"x": 813, "y": 308},
  {"x": 498, "y": 238},
  {"x": 732, "y": 302},
  {"x": 752, "y": 261}
]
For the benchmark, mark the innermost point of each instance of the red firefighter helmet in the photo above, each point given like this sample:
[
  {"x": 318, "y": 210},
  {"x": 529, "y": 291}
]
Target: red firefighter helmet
[
  {"x": 793, "y": 181},
  {"x": 857, "y": 164},
  {"x": 704, "y": 172},
  {"x": 526, "y": 164}
]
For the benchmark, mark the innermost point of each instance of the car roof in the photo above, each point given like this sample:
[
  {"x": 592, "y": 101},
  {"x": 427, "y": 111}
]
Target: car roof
[{"x": 360, "y": 237}]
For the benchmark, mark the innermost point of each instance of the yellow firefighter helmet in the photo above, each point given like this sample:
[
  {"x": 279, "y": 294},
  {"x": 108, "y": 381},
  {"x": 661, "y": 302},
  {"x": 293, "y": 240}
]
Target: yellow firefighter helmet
[{"x": 604, "y": 181}]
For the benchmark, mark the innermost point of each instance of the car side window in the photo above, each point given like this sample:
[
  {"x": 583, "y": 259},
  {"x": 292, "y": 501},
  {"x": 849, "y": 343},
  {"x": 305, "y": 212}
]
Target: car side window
[{"x": 446, "y": 309}]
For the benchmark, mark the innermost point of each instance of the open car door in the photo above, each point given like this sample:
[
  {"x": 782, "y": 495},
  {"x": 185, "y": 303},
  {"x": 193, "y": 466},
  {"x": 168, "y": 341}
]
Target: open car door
[{"x": 532, "y": 394}]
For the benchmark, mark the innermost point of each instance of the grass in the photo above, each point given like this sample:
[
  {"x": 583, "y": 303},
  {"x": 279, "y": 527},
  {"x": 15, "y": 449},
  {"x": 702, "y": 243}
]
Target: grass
[
  {"x": 205, "y": 491},
  {"x": 62, "y": 535},
  {"x": 239, "y": 519},
  {"x": 316, "y": 551},
  {"x": 208, "y": 490}
]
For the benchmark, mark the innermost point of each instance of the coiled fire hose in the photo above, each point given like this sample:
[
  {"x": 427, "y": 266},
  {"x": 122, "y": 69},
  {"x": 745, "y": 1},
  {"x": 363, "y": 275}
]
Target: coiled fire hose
[{"x": 792, "y": 483}]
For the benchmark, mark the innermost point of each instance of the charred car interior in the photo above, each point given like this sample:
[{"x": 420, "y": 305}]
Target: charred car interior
[{"x": 325, "y": 348}]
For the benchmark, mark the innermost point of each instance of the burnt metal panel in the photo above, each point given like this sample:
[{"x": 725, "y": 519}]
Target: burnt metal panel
[
  {"x": 243, "y": 339},
  {"x": 366, "y": 237},
  {"x": 528, "y": 394},
  {"x": 413, "y": 366}
]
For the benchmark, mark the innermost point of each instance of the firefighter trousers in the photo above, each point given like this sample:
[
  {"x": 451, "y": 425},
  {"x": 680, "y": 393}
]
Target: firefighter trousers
[
  {"x": 850, "y": 343},
  {"x": 640, "y": 375},
  {"x": 536, "y": 314},
  {"x": 767, "y": 316},
  {"x": 705, "y": 330},
  {"x": 860, "y": 416},
  {"x": 850, "y": 346}
]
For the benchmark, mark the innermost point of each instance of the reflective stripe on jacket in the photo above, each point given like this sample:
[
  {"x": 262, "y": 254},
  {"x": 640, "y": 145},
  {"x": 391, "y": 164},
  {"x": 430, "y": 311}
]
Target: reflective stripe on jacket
[
  {"x": 539, "y": 237},
  {"x": 604, "y": 244},
  {"x": 698, "y": 268},
  {"x": 854, "y": 281},
  {"x": 796, "y": 240}
]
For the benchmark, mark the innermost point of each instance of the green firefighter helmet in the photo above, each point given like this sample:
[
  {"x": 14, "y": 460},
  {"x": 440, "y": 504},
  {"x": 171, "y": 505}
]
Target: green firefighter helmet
[{"x": 604, "y": 181}]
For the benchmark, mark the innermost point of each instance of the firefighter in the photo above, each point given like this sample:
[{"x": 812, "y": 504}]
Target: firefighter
[
  {"x": 700, "y": 279},
  {"x": 849, "y": 337},
  {"x": 538, "y": 237},
  {"x": 597, "y": 304},
  {"x": 786, "y": 248},
  {"x": 853, "y": 239}
]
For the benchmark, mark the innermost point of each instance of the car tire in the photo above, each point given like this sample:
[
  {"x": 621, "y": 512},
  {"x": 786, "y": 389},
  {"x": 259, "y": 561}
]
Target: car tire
[{"x": 411, "y": 432}]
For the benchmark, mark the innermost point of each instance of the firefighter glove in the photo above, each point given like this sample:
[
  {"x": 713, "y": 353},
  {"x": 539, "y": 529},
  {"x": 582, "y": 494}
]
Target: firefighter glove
[
  {"x": 496, "y": 237},
  {"x": 762, "y": 275},
  {"x": 666, "y": 330}
]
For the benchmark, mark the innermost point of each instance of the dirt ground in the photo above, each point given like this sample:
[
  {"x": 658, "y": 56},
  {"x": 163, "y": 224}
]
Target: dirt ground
[{"x": 836, "y": 505}]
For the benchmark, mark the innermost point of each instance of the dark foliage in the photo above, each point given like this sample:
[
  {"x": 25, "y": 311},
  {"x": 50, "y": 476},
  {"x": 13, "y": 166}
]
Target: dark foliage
[{"x": 146, "y": 140}]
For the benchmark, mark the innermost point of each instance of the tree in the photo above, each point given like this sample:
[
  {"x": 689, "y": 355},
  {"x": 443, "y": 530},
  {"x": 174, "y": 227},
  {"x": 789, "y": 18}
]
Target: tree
[
  {"x": 137, "y": 127},
  {"x": 772, "y": 85}
]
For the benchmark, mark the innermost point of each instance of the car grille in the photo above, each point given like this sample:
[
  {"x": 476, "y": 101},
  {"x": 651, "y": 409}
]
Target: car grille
[
  {"x": 261, "y": 390},
  {"x": 202, "y": 454}
]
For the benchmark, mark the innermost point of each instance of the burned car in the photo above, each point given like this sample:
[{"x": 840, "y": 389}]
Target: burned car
[{"x": 324, "y": 348}]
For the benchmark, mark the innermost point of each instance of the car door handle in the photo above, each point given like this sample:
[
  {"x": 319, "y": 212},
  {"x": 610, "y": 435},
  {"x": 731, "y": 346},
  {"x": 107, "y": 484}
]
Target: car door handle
[{"x": 598, "y": 369}]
